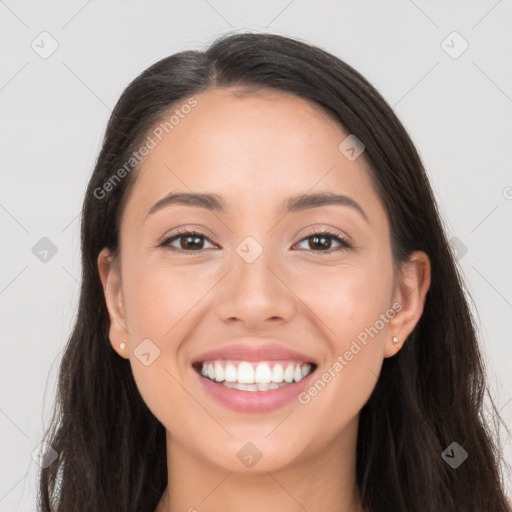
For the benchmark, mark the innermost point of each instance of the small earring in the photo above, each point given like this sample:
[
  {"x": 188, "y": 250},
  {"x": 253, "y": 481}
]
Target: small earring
[
  {"x": 395, "y": 339},
  {"x": 122, "y": 345}
]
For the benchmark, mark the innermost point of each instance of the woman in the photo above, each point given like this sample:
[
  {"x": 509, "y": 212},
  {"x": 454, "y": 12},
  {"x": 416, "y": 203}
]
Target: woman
[{"x": 270, "y": 316}]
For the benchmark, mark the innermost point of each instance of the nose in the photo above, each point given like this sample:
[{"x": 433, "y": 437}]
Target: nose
[{"x": 256, "y": 292}]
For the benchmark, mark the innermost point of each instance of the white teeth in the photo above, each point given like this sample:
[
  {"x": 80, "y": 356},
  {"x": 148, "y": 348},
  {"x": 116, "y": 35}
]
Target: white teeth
[
  {"x": 246, "y": 387},
  {"x": 249, "y": 376},
  {"x": 219, "y": 372},
  {"x": 288, "y": 373},
  {"x": 211, "y": 371},
  {"x": 245, "y": 373},
  {"x": 231, "y": 373},
  {"x": 305, "y": 370},
  {"x": 277, "y": 373},
  {"x": 251, "y": 387},
  {"x": 263, "y": 374}
]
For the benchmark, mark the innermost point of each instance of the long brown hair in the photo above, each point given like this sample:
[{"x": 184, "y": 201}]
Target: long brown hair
[{"x": 112, "y": 454}]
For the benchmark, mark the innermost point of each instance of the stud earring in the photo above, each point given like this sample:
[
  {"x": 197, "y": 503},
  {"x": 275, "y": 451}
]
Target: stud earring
[
  {"x": 395, "y": 339},
  {"x": 122, "y": 345}
]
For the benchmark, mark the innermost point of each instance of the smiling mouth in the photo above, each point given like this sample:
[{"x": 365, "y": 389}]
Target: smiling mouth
[{"x": 254, "y": 376}]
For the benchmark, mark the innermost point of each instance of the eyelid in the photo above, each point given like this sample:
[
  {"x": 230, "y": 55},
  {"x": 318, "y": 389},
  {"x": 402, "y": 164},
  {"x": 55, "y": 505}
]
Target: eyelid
[
  {"x": 311, "y": 231},
  {"x": 187, "y": 229}
]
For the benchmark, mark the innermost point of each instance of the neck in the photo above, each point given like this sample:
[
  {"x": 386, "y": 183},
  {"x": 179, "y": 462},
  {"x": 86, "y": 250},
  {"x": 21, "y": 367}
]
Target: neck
[{"x": 322, "y": 482}]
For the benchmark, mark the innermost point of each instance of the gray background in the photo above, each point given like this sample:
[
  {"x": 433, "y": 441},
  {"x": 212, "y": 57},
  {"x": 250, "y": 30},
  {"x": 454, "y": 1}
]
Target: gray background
[{"x": 54, "y": 111}]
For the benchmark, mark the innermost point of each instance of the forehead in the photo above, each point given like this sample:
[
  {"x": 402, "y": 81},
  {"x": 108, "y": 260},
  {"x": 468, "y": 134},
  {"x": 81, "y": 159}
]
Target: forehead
[{"x": 249, "y": 145}]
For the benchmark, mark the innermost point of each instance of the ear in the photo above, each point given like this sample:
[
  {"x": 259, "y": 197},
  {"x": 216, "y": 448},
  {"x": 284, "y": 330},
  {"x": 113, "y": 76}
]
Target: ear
[
  {"x": 411, "y": 290},
  {"x": 111, "y": 280}
]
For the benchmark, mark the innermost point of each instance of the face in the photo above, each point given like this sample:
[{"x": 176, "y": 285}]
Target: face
[{"x": 265, "y": 286}]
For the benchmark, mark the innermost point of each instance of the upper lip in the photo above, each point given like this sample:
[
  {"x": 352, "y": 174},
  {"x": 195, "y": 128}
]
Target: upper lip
[{"x": 254, "y": 350}]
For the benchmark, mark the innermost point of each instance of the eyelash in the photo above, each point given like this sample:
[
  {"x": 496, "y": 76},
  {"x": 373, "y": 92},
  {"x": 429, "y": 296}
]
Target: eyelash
[{"x": 344, "y": 243}]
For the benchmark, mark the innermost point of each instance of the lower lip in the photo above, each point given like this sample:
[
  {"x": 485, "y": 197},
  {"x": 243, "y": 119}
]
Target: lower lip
[{"x": 253, "y": 401}]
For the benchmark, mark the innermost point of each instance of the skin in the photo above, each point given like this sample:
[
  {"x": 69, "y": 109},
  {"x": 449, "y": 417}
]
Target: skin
[{"x": 256, "y": 150}]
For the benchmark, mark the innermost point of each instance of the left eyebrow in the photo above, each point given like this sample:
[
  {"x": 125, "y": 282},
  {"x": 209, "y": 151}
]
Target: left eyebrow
[
  {"x": 307, "y": 201},
  {"x": 298, "y": 203}
]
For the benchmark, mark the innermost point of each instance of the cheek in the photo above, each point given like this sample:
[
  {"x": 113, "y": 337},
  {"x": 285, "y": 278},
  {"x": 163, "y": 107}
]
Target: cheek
[
  {"x": 158, "y": 296},
  {"x": 158, "y": 299},
  {"x": 348, "y": 298},
  {"x": 351, "y": 304}
]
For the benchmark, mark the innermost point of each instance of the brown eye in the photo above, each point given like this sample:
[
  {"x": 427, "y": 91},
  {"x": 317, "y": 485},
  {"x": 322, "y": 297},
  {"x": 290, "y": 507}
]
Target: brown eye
[
  {"x": 191, "y": 242},
  {"x": 322, "y": 242}
]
